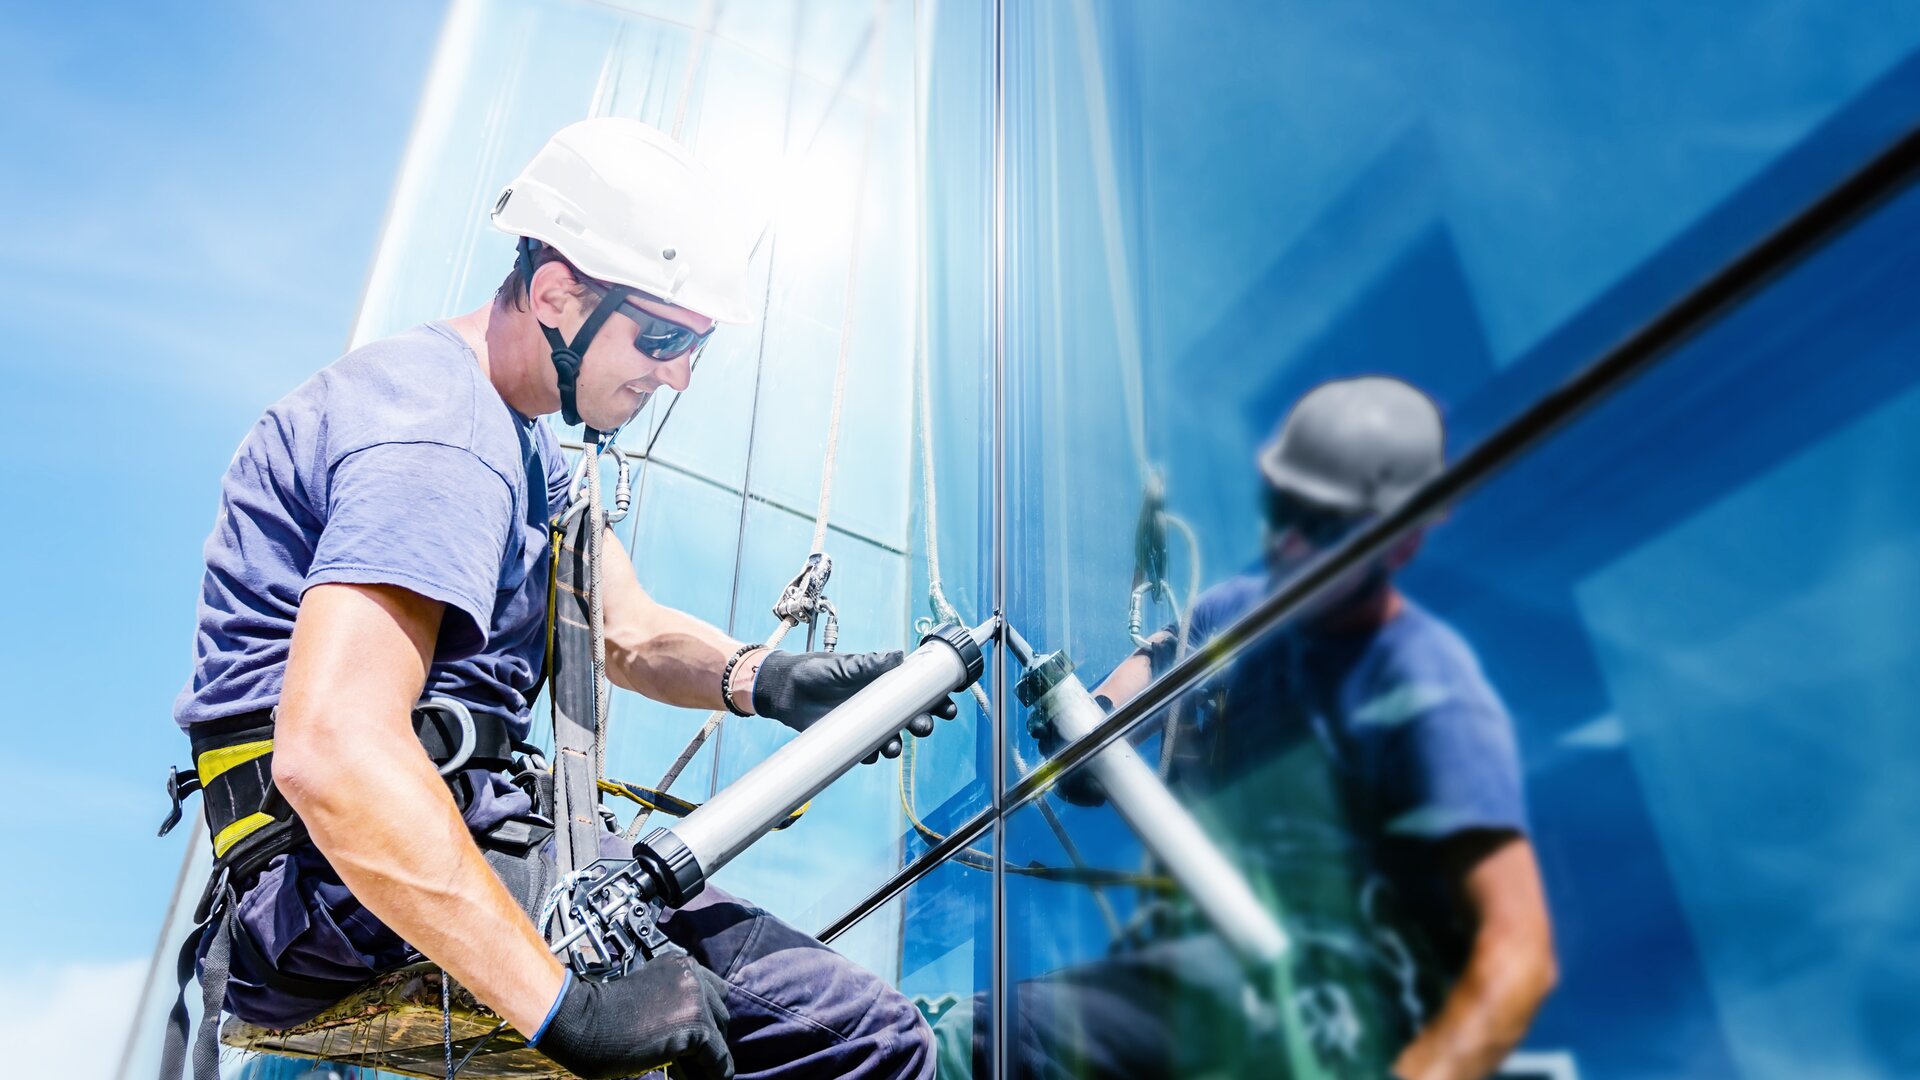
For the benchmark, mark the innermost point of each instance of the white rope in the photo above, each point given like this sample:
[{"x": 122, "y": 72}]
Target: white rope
[
  {"x": 1106, "y": 190},
  {"x": 865, "y": 166},
  {"x": 597, "y": 616},
  {"x": 842, "y": 363},
  {"x": 696, "y": 66}
]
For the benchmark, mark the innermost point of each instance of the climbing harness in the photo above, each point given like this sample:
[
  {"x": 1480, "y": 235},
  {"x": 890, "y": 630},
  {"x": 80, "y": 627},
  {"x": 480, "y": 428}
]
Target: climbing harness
[{"x": 249, "y": 824}]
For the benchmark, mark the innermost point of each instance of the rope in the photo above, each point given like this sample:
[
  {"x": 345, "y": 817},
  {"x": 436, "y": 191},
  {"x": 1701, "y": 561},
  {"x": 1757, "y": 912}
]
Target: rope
[
  {"x": 1107, "y": 199},
  {"x": 830, "y": 459},
  {"x": 446, "y": 1020},
  {"x": 1183, "y": 625},
  {"x": 597, "y": 619}
]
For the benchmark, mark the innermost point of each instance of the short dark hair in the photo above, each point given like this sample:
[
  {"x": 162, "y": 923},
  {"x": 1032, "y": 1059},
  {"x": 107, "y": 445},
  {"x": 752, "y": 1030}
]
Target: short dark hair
[{"x": 515, "y": 287}]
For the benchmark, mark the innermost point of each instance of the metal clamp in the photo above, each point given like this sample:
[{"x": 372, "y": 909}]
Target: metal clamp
[{"x": 805, "y": 598}]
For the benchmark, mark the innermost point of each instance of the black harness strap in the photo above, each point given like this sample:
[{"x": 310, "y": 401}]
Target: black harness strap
[
  {"x": 567, "y": 356},
  {"x": 573, "y": 686},
  {"x": 213, "y": 990}
]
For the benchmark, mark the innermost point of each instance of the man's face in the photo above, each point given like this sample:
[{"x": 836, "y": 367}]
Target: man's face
[
  {"x": 616, "y": 378},
  {"x": 1297, "y": 533}
]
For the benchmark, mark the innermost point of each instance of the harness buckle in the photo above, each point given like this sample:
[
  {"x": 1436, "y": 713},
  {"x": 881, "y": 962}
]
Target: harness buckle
[
  {"x": 213, "y": 897},
  {"x": 178, "y": 788}
]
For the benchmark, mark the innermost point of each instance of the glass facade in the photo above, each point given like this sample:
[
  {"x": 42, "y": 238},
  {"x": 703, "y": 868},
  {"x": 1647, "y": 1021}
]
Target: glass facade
[
  {"x": 1598, "y": 770},
  {"x": 1203, "y": 212}
]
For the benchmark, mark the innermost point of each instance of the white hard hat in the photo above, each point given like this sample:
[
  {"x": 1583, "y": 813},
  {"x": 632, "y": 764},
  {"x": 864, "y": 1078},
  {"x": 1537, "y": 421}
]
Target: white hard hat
[{"x": 628, "y": 205}]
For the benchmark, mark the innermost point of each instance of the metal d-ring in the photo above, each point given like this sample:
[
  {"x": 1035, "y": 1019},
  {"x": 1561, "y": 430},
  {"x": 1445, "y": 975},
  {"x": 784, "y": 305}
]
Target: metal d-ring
[{"x": 468, "y": 738}]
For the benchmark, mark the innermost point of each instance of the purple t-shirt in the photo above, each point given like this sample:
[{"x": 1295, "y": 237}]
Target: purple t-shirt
[{"x": 398, "y": 464}]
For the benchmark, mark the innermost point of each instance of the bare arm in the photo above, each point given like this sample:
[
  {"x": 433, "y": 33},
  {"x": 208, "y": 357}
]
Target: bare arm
[
  {"x": 1509, "y": 973},
  {"x": 666, "y": 654},
  {"x": 1126, "y": 681},
  {"x": 347, "y": 761}
]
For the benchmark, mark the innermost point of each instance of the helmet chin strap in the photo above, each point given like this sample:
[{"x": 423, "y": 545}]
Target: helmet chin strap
[{"x": 567, "y": 355}]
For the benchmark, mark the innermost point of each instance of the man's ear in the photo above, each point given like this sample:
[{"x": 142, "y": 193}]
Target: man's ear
[{"x": 553, "y": 293}]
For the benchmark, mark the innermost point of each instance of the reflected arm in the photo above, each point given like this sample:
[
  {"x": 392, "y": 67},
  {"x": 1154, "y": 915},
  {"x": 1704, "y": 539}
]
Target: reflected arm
[
  {"x": 1510, "y": 971},
  {"x": 1133, "y": 674}
]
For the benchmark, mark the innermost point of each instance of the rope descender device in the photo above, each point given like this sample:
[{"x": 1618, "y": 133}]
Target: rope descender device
[
  {"x": 805, "y": 597},
  {"x": 614, "y": 915},
  {"x": 1149, "y": 555}
]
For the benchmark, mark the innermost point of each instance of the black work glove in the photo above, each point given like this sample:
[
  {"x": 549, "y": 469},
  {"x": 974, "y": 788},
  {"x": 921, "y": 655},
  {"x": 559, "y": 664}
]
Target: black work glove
[
  {"x": 798, "y": 689},
  {"x": 668, "y": 1009},
  {"x": 1079, "y": 787}
]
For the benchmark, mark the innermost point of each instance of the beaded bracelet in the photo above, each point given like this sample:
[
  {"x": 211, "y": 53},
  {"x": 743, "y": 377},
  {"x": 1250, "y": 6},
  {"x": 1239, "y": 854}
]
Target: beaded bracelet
[{"x": 726, "y": 678}]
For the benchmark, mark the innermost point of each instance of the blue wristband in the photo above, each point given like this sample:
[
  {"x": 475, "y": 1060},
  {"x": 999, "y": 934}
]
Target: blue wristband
[{"x": 565, "y": 985}]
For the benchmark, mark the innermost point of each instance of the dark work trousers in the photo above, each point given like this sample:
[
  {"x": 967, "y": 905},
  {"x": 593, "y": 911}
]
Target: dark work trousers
[{"x": 797, "y": 1008}]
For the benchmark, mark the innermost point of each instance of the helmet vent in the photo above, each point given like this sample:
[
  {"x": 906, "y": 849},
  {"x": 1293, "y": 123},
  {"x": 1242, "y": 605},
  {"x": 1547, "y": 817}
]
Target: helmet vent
[{"x": 668, "y": 254}]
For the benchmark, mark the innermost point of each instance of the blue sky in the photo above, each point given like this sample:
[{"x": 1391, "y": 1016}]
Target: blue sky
[{"x": 193, "y": 194}]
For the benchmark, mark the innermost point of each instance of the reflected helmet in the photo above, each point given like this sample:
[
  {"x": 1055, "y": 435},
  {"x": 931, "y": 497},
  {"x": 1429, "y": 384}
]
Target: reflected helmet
[
  {"x": 1356, "y": 446},
  {"x": 628, "y": 205}
]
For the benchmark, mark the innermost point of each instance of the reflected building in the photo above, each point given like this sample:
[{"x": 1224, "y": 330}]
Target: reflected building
[{"x": 1067, "y": 262}]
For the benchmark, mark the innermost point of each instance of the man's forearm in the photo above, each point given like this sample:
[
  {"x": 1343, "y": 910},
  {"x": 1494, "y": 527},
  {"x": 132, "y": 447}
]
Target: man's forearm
[
  {"x": 1126, "y": 681},
  {"x": 387, "y": 824},
  {"x": 1509, "y": 972},
  {"x": 671, "y": 656},
  {"x": 1484, "y": 1018}
]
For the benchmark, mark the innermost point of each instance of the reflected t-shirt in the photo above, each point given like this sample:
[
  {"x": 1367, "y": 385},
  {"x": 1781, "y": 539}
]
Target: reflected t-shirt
[
  {"x": 398, "y": 464},
  {"x": 1397, "y": 742}
]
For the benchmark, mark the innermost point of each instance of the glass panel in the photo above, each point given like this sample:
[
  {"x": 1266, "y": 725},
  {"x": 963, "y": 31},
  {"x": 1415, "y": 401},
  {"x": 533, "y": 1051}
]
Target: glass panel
[
  {"x": 1673, "y": 598},
  {"x": 678, "y": 534},
  {"x": 1212, "y": 211},
  {"x": 952, "y": 380},
  {"x": 849, "y": 840},
  {"x": 935, "y": 943},
  {"x": 844, "y": 291},
  {"x": 1182, "y": 915}
]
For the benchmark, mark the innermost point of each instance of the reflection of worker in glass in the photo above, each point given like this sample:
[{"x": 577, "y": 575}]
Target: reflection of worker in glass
[{"x": 1362, "y": 770}]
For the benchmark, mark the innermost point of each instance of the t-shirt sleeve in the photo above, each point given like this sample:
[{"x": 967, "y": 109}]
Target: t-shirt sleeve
[
  {"x": 430, "y": 518},
  {"x": 1440, "y": 756}
]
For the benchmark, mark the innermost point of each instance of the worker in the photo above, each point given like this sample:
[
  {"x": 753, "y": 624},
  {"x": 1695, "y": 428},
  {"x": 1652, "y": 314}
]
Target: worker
[
  {"x": 383, "y": 535},
  {"x": 1362, "y": 771}
]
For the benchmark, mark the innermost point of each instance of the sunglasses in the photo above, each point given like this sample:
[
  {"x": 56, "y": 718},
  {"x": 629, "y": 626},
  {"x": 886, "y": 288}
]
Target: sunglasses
[
  {"x": 1317, "y": 525},
  {"x": 661, "y": 339}
]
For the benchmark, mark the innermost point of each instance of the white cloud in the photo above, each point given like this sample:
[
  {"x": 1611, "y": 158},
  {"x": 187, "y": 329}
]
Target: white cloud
[{"x": 68, "y": 1021}]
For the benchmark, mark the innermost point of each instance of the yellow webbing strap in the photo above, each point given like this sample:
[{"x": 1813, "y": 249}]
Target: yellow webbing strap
[
  {"x": 214, "y": 762},
  {"x": 238, "y": 831},
  {"x": 672, "y": 805}
]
